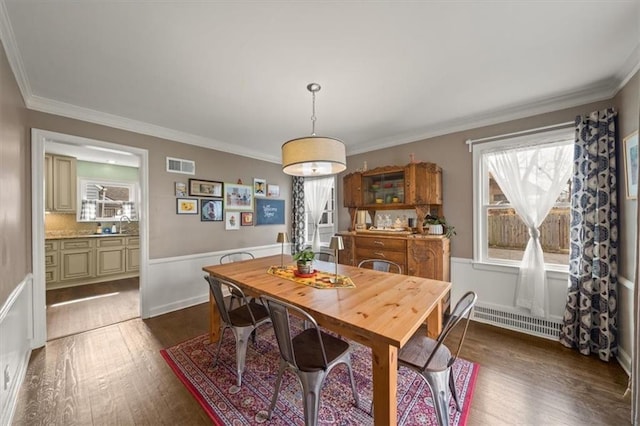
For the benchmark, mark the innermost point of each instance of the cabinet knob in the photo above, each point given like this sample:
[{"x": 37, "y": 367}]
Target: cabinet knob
[
  {"x": 379, "y": 253},
  {"x": 378, "y": 243}
]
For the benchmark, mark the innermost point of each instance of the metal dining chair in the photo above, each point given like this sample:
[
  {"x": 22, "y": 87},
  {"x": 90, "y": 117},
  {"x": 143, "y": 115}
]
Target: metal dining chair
[
  {"x": 235, "y": 257},
  {"x": 432, "y": 359},
  {"x": 324, "y": 257},
  {"x": 311, "y": 355},
  {"x": 381, "y": 265},
  {"x": 242, "y": 321}
]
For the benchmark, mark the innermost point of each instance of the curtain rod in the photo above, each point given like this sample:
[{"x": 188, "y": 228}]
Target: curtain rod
[{"x": 470, "y": 142}]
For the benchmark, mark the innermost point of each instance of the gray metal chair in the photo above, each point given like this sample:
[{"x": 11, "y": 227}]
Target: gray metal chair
[
  {"x": 324, "y": 257},
  {"x": 432, "y": 359},
  {"x": 242, "y": 321},
  {"x": 311, "y": 355},
  {"x": 381, "y": 265},
  {"x": 235, "y": 257}
]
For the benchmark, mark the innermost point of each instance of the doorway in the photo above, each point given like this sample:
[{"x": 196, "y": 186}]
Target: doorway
[{"x": 71, "y": 309}]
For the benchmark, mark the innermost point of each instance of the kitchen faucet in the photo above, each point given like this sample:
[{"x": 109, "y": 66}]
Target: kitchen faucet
[{"x": 125, "y": 218}]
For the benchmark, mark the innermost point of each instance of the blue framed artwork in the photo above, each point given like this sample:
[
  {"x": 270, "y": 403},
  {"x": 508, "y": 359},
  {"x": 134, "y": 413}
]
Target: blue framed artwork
[{"x": 269, "y": 211}]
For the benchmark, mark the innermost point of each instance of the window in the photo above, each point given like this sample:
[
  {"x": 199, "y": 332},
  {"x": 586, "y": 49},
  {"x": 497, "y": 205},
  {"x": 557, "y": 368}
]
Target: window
[
  {"x": 541, "y": 161},
  {"x": 328, "y": 219},
  {"x": 106, "y": 200}
]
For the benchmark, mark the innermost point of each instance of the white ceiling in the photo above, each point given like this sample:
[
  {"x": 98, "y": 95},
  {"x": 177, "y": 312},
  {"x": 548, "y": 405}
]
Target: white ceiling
[{"x": 233, "y": 75}]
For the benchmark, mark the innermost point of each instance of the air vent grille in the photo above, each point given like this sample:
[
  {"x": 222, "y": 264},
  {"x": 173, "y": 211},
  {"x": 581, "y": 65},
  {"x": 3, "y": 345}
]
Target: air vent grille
[{"x": 178, "y": 165}]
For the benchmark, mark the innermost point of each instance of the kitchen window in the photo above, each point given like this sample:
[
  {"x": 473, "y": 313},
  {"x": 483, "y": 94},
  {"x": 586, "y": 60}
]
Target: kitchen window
[{"x": 101, "y": 200}]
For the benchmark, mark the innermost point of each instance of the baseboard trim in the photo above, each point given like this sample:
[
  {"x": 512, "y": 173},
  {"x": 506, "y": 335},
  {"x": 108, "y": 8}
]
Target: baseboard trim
[{"x": 177, "y": 305}]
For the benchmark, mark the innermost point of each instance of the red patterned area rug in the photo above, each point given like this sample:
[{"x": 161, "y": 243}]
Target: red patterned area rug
[{"x": 216, "y": 391}]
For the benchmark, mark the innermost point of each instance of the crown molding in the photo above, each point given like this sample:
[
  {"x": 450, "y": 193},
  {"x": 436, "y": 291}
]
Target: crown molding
[
  {"x": 595, "y": 93},
  {"x": 85, "y": 114}
]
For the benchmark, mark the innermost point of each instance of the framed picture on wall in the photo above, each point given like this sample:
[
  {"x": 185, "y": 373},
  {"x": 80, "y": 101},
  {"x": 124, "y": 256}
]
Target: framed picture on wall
[
  {"x": 181, "y": 189},
  {"x": 259, "y": 187},
  {"x": 273, "y": 190},
  {"x": 238, "y": 197},
  {"x": 246, "y": 218},
  {"x": 205, "y": 188},
  {"x": 211, "y": 210},
  {"x": 630, "y": 146},
  {"x": 232, "y": 221},
  {"x": 186, "y": 206}
]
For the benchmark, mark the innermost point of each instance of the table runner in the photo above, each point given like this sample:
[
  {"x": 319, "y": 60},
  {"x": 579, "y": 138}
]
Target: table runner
[{"x": 320, "y": 280}]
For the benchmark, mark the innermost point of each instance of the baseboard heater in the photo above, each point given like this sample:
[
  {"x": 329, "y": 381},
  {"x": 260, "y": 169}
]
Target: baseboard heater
[{"x": 518, "y": 322}]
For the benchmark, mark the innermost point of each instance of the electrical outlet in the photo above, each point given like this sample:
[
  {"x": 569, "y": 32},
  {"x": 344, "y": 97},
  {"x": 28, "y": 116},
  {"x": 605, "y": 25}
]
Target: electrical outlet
[{"x": 7, "y": 377}]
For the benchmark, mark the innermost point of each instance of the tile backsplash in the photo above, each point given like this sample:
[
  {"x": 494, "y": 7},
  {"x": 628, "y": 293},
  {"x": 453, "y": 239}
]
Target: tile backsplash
[{"x": 60, "y": 225}]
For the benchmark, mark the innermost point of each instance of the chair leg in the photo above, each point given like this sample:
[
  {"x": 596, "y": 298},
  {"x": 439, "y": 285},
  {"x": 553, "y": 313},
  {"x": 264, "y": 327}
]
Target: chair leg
[
  {"x": 283, "y": 365},
  {"x": 215, "y": 358},
  {"x": 353, "y": 382},
  {"x": 454, "y": 392},
  {"x": 242, "y": 339},
  {"x": 311, "y": 385},
  {"x": 439, "y": 384}
]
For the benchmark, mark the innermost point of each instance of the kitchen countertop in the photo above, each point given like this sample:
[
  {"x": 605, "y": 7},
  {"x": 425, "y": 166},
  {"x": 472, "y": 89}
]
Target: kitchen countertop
[{"x": 58, "y": 236}]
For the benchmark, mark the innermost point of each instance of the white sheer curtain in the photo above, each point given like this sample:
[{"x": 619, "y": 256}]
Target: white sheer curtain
[
  {"x": 316, "y": 195},
  {"x": 532, "y": 178}
]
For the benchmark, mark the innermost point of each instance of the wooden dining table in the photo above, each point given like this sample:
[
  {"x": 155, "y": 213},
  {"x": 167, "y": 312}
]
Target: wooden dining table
[{"x": 382, "y": 312}]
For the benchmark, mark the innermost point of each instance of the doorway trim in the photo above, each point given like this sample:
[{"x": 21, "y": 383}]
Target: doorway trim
[{"x": 38, "y": 139}]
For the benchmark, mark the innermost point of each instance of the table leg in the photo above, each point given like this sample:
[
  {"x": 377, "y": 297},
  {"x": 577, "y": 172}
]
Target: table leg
[
  {"x": 434, "y": 321},
  {"x": 214, "y": 320},
  {"x": 385, "y": 384}
]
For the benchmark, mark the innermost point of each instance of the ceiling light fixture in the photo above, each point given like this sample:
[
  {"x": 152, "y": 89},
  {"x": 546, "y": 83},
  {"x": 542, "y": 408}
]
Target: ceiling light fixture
[{"x": 313, "y": 155}]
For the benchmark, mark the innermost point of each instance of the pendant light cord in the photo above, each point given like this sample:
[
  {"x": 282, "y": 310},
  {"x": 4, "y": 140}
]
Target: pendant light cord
[{"x": 313, "y": 113}]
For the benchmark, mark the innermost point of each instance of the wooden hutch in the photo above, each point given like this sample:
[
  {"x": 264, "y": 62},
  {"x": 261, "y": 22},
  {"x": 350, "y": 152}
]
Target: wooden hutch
[{"x": 414, "y": 186}]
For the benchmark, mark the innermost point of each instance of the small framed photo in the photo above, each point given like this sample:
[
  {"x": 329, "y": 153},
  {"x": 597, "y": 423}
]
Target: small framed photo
[
  {"x": 186, "y": 206},
  {"x": 205, "y": 188},
  {"x": 232, "y": 221},
  {"x": 630, "y": 146},
  {"x": 246, "y": 218},
  {"x": 211, "y": 211},
  {"x": 273, "y": 190},
  {"x": 238, "y": 197},
  {"x": 259, "y": 187},
  {"x": 181, "y": 189}
]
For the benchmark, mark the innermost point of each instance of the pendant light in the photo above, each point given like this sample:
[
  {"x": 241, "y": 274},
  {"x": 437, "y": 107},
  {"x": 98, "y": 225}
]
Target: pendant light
[{"x": 313, "y": 155}]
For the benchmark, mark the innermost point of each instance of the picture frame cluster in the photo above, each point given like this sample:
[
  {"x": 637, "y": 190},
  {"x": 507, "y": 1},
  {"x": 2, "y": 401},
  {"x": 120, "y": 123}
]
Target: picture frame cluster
[{"x": 216, "y": 201}]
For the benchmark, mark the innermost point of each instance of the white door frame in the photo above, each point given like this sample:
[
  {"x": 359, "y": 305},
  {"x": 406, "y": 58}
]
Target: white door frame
[{"x": 38, "y": 139}]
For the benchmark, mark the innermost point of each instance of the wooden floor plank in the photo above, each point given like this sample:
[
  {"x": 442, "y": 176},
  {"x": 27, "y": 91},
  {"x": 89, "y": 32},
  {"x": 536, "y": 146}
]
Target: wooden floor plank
[{"x": 116, "y": 375}]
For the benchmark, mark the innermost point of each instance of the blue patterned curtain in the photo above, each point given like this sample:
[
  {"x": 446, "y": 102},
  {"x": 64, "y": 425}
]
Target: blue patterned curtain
[
  {"x": 297, "y": 215},
  {"x": 590, "y": 318}
]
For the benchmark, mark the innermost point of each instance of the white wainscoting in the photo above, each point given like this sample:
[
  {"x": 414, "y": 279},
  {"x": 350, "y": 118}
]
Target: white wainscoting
[
  {"x": 177, "y": 282},
  {"x": 496, "y": 287},
  {"x": 16, "y": 332}
]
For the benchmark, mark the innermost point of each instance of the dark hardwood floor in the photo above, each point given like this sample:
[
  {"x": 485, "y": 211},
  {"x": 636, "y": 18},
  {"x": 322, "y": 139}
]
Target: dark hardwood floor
[
  {"x": 115, "y": 376},
  {"x": 73, "y": 310}
]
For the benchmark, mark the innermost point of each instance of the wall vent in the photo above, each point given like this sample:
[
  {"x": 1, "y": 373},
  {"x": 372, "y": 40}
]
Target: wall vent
[
  {"x": 178, "y": 165},
  {"x": 518, "y": 322}
]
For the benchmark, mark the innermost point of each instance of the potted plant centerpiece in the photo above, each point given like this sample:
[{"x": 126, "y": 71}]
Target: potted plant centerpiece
[
  {"x": 438, "y": 225},
  {"x": 304, "y": 260}
]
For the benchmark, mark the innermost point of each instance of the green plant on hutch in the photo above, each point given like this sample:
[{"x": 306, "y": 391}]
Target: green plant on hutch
[{"x": 448, "y": 230}]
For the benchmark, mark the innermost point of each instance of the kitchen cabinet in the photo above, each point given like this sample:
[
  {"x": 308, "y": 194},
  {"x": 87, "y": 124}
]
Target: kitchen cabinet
[
  {"x": 51, "y": 256},
  {"x": 110, "y": 256},
  {"x": 89, "y": 260},
  {"x": 133, "y": 254},
  {"x": 60, "y": 183},
  {"x": 77, "y": 259},
  {"x": 414, "y": 186}
]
